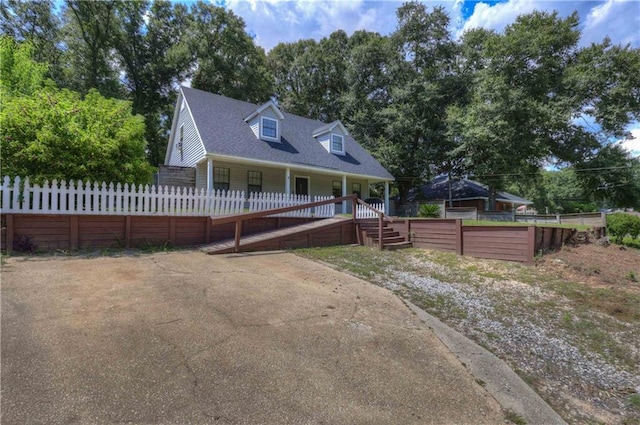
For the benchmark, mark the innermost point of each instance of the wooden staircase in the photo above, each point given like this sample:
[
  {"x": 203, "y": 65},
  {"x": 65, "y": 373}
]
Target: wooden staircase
[{"x": 368, "y": 235}]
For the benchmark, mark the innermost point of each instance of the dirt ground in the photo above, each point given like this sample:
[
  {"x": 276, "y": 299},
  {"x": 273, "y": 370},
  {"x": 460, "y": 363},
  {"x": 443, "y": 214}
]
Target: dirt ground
[
  {"x": 615, "y": 267},
  {"x": 183, "y": 337}
]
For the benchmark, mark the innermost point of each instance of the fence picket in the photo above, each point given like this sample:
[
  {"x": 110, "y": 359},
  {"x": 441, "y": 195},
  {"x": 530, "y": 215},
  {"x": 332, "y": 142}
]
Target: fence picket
[{"x": 18, "y": 195}]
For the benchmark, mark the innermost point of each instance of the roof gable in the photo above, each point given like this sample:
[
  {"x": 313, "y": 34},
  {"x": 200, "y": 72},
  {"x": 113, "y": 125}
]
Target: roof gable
[
  {"x": 329, "y": 127},
  {"x": 264, "y": 106}
]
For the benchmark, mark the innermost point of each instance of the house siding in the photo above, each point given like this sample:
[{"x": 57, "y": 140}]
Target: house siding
[
  {"x": 255, "y": 126},
  {"x": 273, "y": 179},
  {"x": 192, "y": 149},
  {"x": 324, "y": 141}
]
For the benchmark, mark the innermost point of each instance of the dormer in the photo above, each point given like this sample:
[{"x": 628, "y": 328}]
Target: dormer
[
  {"x": 266, "y": 122},
  {"x": 332, "y": 137}
]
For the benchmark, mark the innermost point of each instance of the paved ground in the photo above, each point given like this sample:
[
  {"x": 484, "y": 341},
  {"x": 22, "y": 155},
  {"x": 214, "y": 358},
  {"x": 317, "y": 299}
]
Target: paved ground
[{"x": 189, "y": 338}]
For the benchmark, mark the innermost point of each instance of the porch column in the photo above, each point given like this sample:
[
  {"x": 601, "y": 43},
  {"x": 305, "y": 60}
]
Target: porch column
[
  {"x": 209, "y": 174},
  {"x": 344, "y": 193},
  {"x": 386, "y": 198},
  {"x": 287, "y": 180}
]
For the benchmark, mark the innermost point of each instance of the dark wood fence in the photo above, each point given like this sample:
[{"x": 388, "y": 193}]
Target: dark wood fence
[
  {"x": 51, "y": 232},
  {"x": 511, "y": 243}
]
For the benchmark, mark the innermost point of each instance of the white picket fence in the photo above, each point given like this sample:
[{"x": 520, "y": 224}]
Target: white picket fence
[
  {"x": 364, "y": 212},
  {"x": 21, "y": 197},
  {"x": 264, "y": 201}
]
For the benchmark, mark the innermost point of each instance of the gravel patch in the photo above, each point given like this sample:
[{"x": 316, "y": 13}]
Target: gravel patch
[{"x": 586, "y": 386}]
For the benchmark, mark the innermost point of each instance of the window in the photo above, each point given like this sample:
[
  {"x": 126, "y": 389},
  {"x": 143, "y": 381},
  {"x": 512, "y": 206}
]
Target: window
[
  {"x": 356, "y": 189},
  {"x": 337, "y": 189},
  {"x": 337, "y": 143},
  {"x": 254, "y": 181},
  {"x": 269, "y": 128},
  {"x": 183, "y": 104},
  {"x": 220, "y": 178},
  {"x": 181, "y": 143}
]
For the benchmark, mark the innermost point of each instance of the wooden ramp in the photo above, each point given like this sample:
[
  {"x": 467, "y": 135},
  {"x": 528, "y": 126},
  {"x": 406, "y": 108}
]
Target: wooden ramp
[{"x": 325, "y": 232}]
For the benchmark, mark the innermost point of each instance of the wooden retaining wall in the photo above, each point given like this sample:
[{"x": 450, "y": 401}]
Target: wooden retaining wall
[
  {"x": 69, "y": 232},
  {"x": 511, "y": 243}
]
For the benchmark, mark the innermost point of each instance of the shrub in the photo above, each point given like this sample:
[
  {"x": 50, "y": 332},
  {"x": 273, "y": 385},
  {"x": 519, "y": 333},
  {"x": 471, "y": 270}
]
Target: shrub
[
  {"x": 429, "y": 211},
  {"x": 620, "y": 225}
]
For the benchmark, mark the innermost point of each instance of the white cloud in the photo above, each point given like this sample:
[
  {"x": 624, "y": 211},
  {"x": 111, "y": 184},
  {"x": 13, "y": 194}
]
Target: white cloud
[
  {"x": 633, "y": 145},
  {"x": 275, "y": 21},
  {"x": 498, "y": 16},
  {"x": 617, "y": 19}
]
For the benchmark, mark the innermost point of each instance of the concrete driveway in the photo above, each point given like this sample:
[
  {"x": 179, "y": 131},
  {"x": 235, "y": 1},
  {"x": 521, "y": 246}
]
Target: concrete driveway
[{"x": 240, "y": 339}]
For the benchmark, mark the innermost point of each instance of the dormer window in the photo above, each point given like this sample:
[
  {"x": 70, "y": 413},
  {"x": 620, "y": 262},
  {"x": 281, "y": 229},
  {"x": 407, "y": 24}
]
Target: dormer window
[
  {"x": 265, "y": 122},
  {"x": 332, "y": 137},
  {"x": 337, "y": 143},
  {"x": 269, "y": 128}
]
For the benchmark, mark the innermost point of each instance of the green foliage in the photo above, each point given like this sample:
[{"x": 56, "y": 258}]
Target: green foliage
[
  {"x": 228, "y": 61},
  {"x": 19, "y": 74},
  {"x": 621, "y": 225},
  {"x": 56, "y": 134},
  {"x": 429, "y": 211}
]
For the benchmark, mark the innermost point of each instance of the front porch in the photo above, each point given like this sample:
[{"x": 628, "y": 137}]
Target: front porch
[{"x": 251, "y": 177}]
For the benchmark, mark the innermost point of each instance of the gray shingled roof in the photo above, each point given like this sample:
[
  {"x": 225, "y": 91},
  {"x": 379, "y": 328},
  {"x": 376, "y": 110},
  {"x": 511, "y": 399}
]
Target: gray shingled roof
[
  {"x": 465, "y": 189},
  {"x": 220, "y": 121}
]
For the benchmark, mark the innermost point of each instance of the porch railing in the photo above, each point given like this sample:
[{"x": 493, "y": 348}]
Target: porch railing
[
  {"x": 368, "y": 210},
  {"x": 261, "y": 201}
]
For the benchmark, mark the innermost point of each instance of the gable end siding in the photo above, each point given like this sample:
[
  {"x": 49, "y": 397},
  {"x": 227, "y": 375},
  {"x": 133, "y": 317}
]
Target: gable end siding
[
  {"x": 255, "y": 126},
  {"x": 192, "y": 147},
  {"x": 324, "y": 141}
]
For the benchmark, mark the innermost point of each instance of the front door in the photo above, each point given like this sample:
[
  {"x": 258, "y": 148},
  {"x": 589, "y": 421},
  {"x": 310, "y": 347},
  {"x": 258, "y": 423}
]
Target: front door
[{"x": 302, "y": 186}]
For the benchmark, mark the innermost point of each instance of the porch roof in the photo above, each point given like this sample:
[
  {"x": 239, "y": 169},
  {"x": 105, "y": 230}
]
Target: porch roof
[{"x": 220, "y": 122}]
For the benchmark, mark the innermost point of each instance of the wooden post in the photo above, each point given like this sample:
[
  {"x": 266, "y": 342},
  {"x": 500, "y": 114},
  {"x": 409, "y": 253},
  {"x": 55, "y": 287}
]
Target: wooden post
[
  {"x": 73, "y": 232},
  {"x": 354, "y": 207},
  {"x": 407, "y": 228},
  {"x": 127, "y": 231},
  {"x": 531, "y": 244},
  {"x": 207, "y": 230},
  {"x": 9, "y": 232},
  {"x": 380, "y": 224},
  {"x": 459, "y": 247},
  {"x": 238, "y": 233}
]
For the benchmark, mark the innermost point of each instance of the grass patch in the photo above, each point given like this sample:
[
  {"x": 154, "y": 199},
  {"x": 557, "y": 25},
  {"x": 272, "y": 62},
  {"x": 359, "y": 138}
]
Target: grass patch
[
  {"x": 514, "y": 418},
  {"x": 471, "y": 222},
  {"x": 634, "y": 401}
]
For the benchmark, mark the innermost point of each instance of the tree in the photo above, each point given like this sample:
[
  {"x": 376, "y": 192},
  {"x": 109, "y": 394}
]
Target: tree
[
  {"x": 611, "y": 176},
  {"x": 423, "y": 86},
  {"x": 49, "y": 133},
  {"x": 227, "y": 60},
  {"x": 88, "y": 33},
  {"x": 35, "y": 22},
  {"x": 533, "y": 84},
  {"x": 19, "y": 74},
  {"x": 154, "y": 57},
  {"x": 310, "y": 77}
]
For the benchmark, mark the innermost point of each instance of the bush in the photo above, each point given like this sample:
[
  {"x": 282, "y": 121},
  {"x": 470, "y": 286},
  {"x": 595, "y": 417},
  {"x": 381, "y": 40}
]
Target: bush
[
  {"x": 429, "y": 211},
  {"x": 621, "y": 225}
]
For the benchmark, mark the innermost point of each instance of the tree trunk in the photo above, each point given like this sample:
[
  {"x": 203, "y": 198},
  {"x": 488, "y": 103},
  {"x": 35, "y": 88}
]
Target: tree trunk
[{"x": 492, "y": 197}]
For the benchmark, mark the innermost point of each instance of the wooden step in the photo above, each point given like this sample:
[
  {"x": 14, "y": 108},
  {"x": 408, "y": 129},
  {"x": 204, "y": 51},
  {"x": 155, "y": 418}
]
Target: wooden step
[
  {"x": 392, "y": 239},
  {"x": 398, "y": 245}
]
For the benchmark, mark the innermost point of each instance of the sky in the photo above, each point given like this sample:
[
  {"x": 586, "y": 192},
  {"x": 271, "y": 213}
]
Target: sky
[{"x": 274, "y": 21}]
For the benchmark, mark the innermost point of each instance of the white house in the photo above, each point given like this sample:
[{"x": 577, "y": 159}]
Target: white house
[{"x": 236, "y": 145}]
